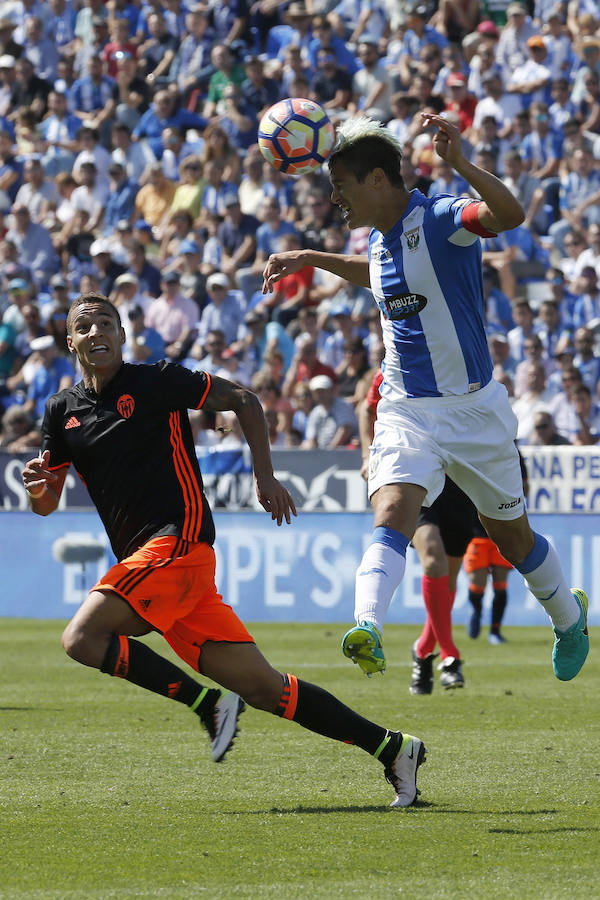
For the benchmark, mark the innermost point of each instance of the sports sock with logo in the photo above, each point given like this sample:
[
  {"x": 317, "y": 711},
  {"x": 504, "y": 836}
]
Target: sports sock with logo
[
  {"x": 438, "y": 602},
  {"x": 498, "y": 605},
  {"x": 476, "y": 597},
  {"x": 321, "y": 712},
  {"x": 380, "y": 572},
  {"x": 543, "y": 573},
  {"x": 137, "y": 663}
]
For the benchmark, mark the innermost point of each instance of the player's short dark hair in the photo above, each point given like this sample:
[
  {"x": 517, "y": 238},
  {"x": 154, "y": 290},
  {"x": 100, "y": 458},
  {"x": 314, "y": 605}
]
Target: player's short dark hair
[
  {"x": 368, "y": 153},
  {"x": 91, "y": 297}
]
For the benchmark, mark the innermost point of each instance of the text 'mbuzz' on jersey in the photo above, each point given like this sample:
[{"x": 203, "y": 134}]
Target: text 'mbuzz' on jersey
[
  {"x": 133, "y": 447},
  {"x": 426, "y": 279}
]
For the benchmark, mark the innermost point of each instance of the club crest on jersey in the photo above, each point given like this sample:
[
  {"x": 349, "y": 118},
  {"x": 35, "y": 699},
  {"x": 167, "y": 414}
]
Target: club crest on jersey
[
  {"x": 403, "y": 306},
  {"x": 125, "y": 405},
  {"x": 412, "y": 238}
]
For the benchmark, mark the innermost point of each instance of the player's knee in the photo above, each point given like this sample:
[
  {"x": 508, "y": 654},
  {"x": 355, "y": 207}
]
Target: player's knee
[
  {"x": 434, "y": 565},
  {"x": 79, "y": 646}
]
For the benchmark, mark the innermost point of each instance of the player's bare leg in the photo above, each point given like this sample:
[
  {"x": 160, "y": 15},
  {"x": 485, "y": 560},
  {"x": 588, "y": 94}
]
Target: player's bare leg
[
  {"x": 242, "y": 668},
  {"x": 100, "y": 635}
]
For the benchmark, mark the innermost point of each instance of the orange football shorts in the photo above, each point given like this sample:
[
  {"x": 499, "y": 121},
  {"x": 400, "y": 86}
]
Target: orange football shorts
[
  {"x": 481, "y": 554},
  {"x": 170, "y": 583}
]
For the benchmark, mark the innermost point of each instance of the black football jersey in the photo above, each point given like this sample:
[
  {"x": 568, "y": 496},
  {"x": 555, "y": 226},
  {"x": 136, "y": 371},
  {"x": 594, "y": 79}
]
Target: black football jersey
[{"x": 133, "y": 447}]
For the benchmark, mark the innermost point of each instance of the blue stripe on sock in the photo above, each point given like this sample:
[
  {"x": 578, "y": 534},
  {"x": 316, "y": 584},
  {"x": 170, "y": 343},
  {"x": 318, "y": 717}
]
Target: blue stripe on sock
[
  {"x": 391, "y": 538},
  {"x": 537, "y": 556}
]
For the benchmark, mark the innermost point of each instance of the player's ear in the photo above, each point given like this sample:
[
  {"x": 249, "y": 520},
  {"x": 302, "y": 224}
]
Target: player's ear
[
  {"x": 123, "y": 338},
  {"x": 378, "y": 178},
  {"x": 70, "y": 346}
]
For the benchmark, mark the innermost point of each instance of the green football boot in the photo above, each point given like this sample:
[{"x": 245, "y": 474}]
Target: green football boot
[{"x": 362, "y": 644}]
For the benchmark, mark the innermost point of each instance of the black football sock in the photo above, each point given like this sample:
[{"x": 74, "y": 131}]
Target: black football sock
[
  {"x": 498, "y": 607},
  {"x": 475, "y": 599},
  {"x": 137, "y": 663},
  {"x": 321, "y": 712}
]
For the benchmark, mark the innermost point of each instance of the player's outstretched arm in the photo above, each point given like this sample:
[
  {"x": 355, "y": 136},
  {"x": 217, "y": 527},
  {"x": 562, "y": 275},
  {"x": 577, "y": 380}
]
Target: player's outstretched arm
[
  {"x": 500, "y": 209},
  {"x": 272, "y": 496},
  {"x": 354, "y": 269},
  {"x": 43, "y": 486}
]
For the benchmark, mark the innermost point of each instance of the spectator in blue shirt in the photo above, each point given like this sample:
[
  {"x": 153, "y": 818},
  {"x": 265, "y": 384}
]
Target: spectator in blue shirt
[
  {"x": 148, "y": 275},
  {"x": 145, "y": 345},
  {"x": 60, "y": 26},
  {"x": 59, "y": 133},
  {"x": 261, "y": 337},
  {"x": 238, "y": 120},
  {"x": 7, "y": 353},
  {"x": 162, "y": 114},
  {"x": 258, "y": 91},
  {"x": 11, "y": 172},
  {"x": 579, "y": 196},
  {"x": 35, "y": 247},
  {"x": 542, "y": 148},
  {"x": 325, "y": 39},
  {"x": 237, "y": 234},
  {"x": 93, "y": 97},
  {"x": 587, "y": 305},
  {"x": 584, "y": 359},
  {"x": 447, "y": 181},
  {"x": 498, "y": 311},
  {"x": 40, "y": 50},
  {"x": 228, "y": 19},
  {"x": 417, "y": 35},
  {"x": 224, "y": 311},
  {"x": 53, "y": 373},
  {"x": 121, "y": 199},
  {"x": 192, "y": 68},
  {"x": 124, "y": 10}
]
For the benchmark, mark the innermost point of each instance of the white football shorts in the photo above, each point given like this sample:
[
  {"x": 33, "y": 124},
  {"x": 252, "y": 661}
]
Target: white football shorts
[{"x": 470, "y": 438}]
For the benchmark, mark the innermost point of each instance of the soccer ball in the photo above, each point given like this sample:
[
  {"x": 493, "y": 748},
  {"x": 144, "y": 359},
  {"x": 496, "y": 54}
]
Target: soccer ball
[{"x": 296, "y": 136}]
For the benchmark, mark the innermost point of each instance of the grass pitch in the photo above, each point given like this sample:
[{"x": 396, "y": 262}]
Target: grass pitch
[{"x": 108, "y": 791}]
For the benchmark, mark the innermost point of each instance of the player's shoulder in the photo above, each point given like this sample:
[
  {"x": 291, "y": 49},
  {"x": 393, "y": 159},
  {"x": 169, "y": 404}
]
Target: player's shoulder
[
  {"x": 60, "y": 405},
  {"x": 66, "y": 398},
  {"x": 438, "y": 204}
]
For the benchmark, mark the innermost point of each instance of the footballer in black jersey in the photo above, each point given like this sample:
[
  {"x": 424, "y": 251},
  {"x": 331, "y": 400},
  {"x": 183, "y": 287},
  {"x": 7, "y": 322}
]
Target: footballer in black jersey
[
  {"x": 126, "y": 431},
  {"x": 133, "y": 447}
]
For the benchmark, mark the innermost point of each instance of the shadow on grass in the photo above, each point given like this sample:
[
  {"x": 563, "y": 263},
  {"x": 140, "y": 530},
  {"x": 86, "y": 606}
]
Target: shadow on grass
[
  {"x": 420, "y": 806},
  {"x": 317, "y": 810},
  {"x": 30, "y": 709},
  {"x": 569, "y": 829}
]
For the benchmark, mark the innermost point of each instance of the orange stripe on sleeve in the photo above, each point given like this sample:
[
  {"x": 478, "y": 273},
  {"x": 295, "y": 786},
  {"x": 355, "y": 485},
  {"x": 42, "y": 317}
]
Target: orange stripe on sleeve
[
  {"x": 208, "y": 386},
  {"x": 189, "y": 485}
]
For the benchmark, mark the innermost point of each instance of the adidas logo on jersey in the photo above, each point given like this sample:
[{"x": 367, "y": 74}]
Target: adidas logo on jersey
[{"x": 72, "y": 423}]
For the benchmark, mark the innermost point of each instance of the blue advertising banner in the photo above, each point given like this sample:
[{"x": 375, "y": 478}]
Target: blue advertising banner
[
  {"x": 298, "y": 573},
  {"x": 561, "y": 480}
]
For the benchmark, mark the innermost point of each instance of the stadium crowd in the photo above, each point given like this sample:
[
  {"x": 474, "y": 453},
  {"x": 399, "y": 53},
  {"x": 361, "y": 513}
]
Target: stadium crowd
[{"x": 129, "y": 165}]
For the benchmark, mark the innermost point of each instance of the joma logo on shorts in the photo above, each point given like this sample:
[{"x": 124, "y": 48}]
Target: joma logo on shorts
[
  {"x": 511, "y": 504},
  {"x": 404, "y": 305}
]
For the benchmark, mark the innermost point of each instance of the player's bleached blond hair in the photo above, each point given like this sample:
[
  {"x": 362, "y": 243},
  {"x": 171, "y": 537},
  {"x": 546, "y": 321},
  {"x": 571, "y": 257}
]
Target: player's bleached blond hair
[
  {"x": 365, "y": 144},
  {"x": 359, "y": 128}
]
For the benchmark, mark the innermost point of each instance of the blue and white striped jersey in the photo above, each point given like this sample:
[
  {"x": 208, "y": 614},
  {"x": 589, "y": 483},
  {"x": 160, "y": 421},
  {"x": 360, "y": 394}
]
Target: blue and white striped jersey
[{"x": 426, "y": 279}]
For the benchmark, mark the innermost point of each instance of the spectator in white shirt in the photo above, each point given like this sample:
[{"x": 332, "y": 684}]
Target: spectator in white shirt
[{"x": 332, "y": 422}]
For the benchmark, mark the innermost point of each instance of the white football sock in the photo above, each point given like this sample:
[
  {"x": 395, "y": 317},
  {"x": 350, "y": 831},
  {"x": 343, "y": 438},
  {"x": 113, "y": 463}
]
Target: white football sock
[
  {"x": 547, "y": 583},
  {"x": 380, "y": 572}
]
